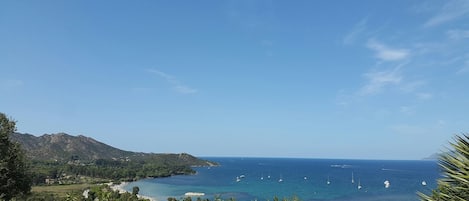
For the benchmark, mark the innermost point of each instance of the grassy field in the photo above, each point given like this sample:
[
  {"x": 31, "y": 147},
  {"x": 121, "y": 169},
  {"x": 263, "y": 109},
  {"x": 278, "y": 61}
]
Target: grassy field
[{"x": 61, "y": 190}]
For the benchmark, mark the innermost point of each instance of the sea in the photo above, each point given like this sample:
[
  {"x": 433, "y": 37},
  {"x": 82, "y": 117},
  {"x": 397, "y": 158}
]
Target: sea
[{"x": 262, "y": 179}]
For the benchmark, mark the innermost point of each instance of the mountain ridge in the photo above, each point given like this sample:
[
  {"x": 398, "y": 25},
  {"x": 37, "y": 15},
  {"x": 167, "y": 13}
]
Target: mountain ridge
[{"x": 65, "y": 147}]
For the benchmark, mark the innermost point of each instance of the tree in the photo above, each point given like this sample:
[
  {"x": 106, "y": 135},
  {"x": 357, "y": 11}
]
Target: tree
[
  {"x": 135, "y": 190},
  {"x": 455, "y": 167},
  {"x": 14, "y": 177}
]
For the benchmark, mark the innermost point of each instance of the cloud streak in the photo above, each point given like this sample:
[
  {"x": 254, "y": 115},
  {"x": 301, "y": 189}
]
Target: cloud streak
[
  {"x": 450, "y": 11},
  {"x": 357, "y": 30},
  {"x": 174, "y": 82},
  {"x": 424, "y": 96},
  {"x": 379, "y": 80},
  {"x": 386, "y": 53},
  {"x": 465, "y": 68},
  {"x": 457, "y": 34}
]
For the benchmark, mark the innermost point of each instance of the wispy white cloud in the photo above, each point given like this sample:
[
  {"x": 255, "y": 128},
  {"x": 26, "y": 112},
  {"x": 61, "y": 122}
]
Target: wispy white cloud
[
  {"x": 168, "y": 77},
  {"x": 450, "y": 52},
  {"x": 344, "y": 99},
  {"x": 412, "y": 86},
  {"x": 425, "y": 129},
  {"x": 424, "y": 96},
  {"x": 386, "y": 53},
  {"x": 457, "y": 34},
  {"x": 356, "y": 31},
  {"x": 185, "y": 89},
  {"x": 426, "y": 48},
  {"x": 452, "y": 10},
  {"x": 407, "y": 110},
  {"x": 252, "y": 15},
  {"x": 176, "y": 84},
  {"x": 465, "y": 68},
  {"x": 380, "y": 79},
  {"x": 406, "y": 129},
  {"x": 463, "y": 65},
  {"x": 441, "y": 123},
  {"x": 141, "y": 89}
]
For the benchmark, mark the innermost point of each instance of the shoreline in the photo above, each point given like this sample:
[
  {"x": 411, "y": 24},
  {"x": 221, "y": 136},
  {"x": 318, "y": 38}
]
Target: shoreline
[{"x": 120, "y": 188}]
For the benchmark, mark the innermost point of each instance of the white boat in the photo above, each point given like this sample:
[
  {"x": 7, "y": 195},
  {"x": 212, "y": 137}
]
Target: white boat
[
  {"x": 387, "y": 184},
  {"x": 353, "y": 181},
  {"x": 242, "y": 176},
  {"x": 280, "y": 180},
  {"x": 238, "y": 179},
  {"x": 305, "y": 178},
  {"x": 194, "y": 194},
  {"x": 359, "y": 185},
  {"x": 424, "y": 183},
  {"x": 328, "y": 181}
]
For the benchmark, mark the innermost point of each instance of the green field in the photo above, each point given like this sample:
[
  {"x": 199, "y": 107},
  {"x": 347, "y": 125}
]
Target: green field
[{"x": 61, "y": 190}]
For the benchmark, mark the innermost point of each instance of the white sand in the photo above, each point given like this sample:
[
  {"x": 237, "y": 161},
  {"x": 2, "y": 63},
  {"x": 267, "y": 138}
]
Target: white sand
[{"x": 120, "y": 189}]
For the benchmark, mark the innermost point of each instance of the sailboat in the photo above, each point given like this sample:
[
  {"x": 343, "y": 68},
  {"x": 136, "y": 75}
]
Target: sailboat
[
  {"x": 353, "y": 181},
  {"x": 280, "y": 180},
  {"x": 387, "y": 184},
  {"x": 238, "y": 179},
  {"x": 328, "y": 181},
  {"x": 359, "y": 185}
]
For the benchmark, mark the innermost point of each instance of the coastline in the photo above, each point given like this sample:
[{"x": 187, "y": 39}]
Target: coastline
[
  {"x": 212, "y": 182},
  {"x": 120, "y": 188}
]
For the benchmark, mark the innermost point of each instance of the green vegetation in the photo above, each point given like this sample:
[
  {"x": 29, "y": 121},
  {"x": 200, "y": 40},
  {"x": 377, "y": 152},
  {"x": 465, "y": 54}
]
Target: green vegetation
[
  {"x": 64, "y": 148},
  {"x": 61, "y": 190},
  {"x": 455, "y": 167},
  {"x": 219, "y": 198},
  {"x": 14, "y": 177},
  {"x": 65, "y": 159},
  {"x": 62, "y": 166},
  {"x": 102, "y": 170},
  {"x": 80, "y": 192},
  {"x": 135, "y": 190}
]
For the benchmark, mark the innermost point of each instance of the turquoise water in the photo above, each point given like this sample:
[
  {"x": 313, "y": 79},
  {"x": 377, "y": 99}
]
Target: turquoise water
[{"x": 305, "y": 178}]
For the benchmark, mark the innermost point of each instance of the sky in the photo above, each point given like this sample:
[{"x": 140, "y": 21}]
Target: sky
[{"x": 361, "y": 79}]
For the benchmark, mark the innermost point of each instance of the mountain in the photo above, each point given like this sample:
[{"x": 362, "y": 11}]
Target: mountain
[
  {"x": 65, "y": 147},
  {"x": 62, "y": 146},
  {"x": 434, "y": 156}
]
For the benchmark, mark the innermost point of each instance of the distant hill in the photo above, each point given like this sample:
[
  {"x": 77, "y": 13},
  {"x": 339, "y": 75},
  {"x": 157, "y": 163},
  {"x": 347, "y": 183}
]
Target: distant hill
[
  {"x": 65, "y": 147},
  {"x": 434, "y": 156}
]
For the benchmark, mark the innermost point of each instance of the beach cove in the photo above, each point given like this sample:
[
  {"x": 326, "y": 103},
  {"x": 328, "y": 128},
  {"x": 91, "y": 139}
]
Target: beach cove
[
  {"x": 264, "y": 178},
  {"x": 120, "y": 188}
]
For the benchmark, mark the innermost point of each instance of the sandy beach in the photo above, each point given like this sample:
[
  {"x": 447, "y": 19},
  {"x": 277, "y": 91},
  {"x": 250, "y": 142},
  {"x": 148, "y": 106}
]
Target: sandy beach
[{"x": 120, "y": 189}]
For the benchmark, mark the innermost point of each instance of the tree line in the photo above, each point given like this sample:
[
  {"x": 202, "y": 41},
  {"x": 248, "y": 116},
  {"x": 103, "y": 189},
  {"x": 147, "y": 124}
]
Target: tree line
[
  {"x": 103, "y": 169},
  {"x": 97, "y": 192}
]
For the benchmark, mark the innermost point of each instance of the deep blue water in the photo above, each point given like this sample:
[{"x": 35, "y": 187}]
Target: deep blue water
[{"x": 305, "y": 178}]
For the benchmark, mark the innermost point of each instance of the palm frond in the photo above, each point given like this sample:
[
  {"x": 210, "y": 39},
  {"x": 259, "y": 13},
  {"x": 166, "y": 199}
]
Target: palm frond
[{"x": 455, "y": 171}]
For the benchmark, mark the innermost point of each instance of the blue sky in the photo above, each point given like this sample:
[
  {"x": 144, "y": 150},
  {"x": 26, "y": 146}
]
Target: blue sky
[{"x": 317, "y": 79}]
